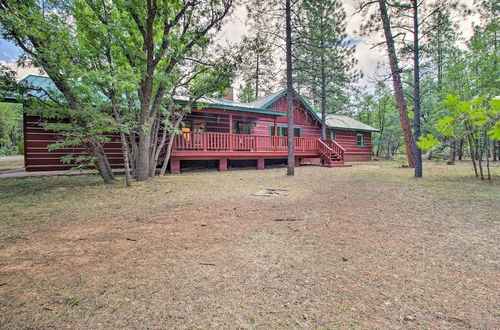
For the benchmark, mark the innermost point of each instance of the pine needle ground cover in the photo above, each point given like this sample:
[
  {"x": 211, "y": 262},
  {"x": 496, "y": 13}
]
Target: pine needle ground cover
[{"x": 367, "y": 246}]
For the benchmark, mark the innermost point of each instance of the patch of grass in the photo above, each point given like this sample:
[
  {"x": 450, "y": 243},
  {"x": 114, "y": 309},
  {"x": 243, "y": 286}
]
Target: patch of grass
[{"x": 73, "y": 301}]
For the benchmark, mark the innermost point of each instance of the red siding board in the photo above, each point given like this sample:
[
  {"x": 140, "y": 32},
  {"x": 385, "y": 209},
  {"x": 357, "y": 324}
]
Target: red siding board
[{"x": 39, "y": 158}]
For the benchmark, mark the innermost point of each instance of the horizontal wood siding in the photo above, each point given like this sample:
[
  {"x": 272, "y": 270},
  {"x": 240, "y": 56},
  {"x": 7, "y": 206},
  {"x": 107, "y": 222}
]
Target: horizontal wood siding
[
  {"x": 214, "y": 122},
  {"x": 347, "y": 139},
  {"x": 311, "y": 127},
  {"x": 302, "y": 118},
  {"x": 39, "y": 158}
]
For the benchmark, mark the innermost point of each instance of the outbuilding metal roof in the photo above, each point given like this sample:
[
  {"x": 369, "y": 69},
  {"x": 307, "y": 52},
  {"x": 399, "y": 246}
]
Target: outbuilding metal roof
[{"x": 347, "y": 123}]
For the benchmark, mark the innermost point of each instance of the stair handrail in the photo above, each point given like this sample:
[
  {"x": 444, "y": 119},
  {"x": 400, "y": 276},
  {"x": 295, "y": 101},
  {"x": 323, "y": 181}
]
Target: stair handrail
[
  {"x": 337, "y": 148},
  {"x": 325, "y": 151},
  {"x": 338, "y": 145},
  {"x": 326, "y": 145}
]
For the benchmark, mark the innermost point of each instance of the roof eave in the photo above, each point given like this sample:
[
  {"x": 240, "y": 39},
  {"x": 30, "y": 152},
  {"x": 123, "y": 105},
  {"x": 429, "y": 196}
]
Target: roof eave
[
  {"x": 234, "y": 108},
  {"x": 274, "y": 99},
  {"x": 354, "y": 129},
  {"x": 9, "y": 99}
]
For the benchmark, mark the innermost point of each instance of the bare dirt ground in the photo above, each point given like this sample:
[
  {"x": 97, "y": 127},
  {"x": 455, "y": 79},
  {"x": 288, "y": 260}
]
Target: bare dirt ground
[{"x": 360, "y": 247}]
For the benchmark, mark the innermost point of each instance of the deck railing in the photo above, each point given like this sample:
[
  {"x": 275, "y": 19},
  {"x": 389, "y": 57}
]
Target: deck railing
[
  {"x": 336, "y": 148},
  {"x": 325, "y": 150},
  {"x": 207, "y": 141}
]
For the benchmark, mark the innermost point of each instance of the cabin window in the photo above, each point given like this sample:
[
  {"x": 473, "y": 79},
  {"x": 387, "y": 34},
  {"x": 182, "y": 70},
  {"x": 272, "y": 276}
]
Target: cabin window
[
  {"x": 241, "y": 127},
  {"x": 360, "y": 140},
  {"x": 283, "y": 131}
]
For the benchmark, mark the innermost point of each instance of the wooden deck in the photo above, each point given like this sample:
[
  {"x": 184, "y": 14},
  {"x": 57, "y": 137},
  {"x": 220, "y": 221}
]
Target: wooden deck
[{"x": 224, "y": 146}]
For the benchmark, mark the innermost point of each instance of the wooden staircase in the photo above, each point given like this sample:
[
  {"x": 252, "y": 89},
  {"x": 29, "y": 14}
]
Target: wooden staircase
[{"x": 332, "y": 154}]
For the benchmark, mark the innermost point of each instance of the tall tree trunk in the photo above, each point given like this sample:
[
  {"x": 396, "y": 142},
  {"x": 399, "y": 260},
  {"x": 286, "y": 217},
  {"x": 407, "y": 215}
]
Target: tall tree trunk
[
  {"x": 170, "y": 144},
  {"x": 416, "y": 91},
  {"x": 126, "y": 162},
  {"x": 472, "y": 148},
  {"x": 323, "y": 99},
  {"x": 453, "y": 151},
  {"x": 398, "y": 86},
  {"x": 440, "y": 51},
  {"x": 289, "y": 90},
  {"x": 143, "y": 155},
  {"x": 123, "y": 138},
  {"x": 145, "y": 120},
  {"x": 106, "y": 163},
  {"x": 494, "y": 150},
  {"x": 257, "y": 78},
  {"x": 103, "y": 171},
  {"x": 460, "y": 149},
  {"x": 101, "y": 164},
  {"x": 487, "y": 153}
]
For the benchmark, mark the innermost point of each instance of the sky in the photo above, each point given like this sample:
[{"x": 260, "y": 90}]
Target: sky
[{"x": 232, "y": 32}]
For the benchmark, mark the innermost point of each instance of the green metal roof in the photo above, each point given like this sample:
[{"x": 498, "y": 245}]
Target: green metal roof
[
  {"x": 37, "y": 82},
  {"x": 45, "y": 83},
  {"x": 268, "y": 100},
  {"x": 42, "y": 82},
  {"x": 230, "y": 105}
]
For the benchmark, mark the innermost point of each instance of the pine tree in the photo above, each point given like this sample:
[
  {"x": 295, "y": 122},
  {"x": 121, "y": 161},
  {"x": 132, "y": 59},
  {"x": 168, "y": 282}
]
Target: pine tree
[
  {"x": 261, "y": 52},
  {"x": 323, "y": 55}
]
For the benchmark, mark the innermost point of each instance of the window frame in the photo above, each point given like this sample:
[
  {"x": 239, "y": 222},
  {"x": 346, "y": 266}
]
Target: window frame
[
  {"x": 362, "y": 140},
  {"x": 280, "y": 127}
]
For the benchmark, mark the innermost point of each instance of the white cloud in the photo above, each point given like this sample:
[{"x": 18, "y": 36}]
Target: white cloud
[
  {"x": 21, "y": 71},
  {"x": 372, "y": 61}
]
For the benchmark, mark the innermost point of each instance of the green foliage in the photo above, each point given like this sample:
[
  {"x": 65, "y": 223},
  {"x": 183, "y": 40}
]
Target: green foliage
[
  {"x": 116, "y": 65},
  {"x": 379, "y": 110},
  {"x": 73, "y": 301},
  {"x": 323, "y": 54},
  {"x": 427, "y": 142},
  {"x": 11, "y": 129},
  {"x": 260, "y": 50},
  {"x": 247, "y": 91},
  {"x": 478, "y": 114}
]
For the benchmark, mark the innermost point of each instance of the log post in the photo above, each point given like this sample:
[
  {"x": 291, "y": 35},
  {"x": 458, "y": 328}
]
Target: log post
[
  {"x": 223, "y": 164},
  {"x": 260, "y": 164},
  {"x": 175, "y": 165},
  {"x": 231, "y": 132},
  {"x": 275, "y": 133}
]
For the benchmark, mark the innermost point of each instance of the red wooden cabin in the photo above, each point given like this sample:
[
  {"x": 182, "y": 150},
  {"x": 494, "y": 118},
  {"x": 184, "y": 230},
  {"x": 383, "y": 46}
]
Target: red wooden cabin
[{"x": 228, "y": 131}]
